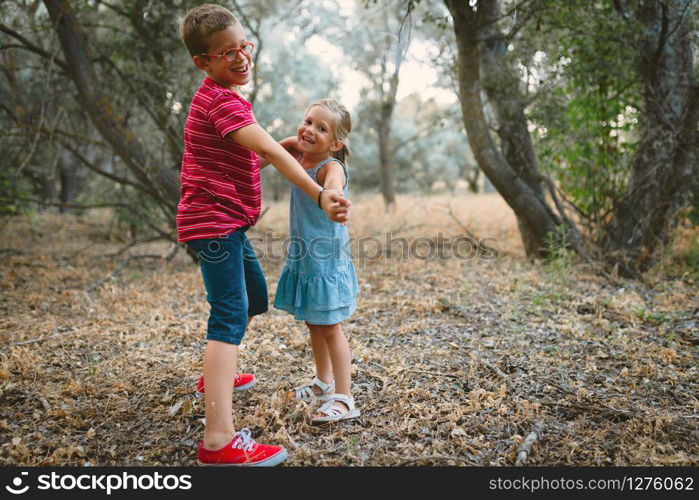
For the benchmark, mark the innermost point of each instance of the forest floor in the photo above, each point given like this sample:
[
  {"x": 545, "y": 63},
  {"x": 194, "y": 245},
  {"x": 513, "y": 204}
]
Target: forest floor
[{"x": 456, "y": 360}]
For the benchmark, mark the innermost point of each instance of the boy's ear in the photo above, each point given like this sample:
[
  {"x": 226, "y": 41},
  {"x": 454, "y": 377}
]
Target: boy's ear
[
  {"x": 336, "y": 146},
  {"x": 201, "y": 62}
]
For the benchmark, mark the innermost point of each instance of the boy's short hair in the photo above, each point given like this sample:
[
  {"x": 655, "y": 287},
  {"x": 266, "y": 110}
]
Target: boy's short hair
[{"x": 201, "y": 22}]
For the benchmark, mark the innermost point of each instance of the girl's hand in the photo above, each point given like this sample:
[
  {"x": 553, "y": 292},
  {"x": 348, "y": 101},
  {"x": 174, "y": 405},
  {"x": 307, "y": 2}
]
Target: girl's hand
[
  {"x": 335, "y": 206},
  {"x": 291, "y": 145}
]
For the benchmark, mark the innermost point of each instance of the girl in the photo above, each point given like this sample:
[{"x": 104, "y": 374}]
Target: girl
[{"x": 318, "y": 284}]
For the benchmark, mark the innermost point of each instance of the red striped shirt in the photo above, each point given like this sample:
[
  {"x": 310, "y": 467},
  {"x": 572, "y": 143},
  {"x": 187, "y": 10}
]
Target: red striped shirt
[{"x": 220, "y": 179}]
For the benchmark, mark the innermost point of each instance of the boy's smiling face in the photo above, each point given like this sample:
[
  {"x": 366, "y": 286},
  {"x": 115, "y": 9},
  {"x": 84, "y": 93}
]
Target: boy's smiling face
[{"x": 231, "y": 74}]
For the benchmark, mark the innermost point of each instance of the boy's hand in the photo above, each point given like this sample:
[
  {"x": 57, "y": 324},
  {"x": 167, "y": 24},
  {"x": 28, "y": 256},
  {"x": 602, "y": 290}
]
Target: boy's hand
[{"x": 335, "y": 206}]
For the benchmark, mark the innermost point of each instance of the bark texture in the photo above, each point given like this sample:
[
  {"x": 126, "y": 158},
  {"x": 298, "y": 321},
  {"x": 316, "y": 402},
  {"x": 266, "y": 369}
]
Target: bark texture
[
  {"x": 512, "y": 168},
  {"x": 665, "y": 164},
  {"x": 160, "y": 182}
]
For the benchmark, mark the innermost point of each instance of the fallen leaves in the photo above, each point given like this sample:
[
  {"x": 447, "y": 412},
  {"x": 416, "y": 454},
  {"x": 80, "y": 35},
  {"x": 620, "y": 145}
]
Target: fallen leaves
[{"x": 454, "y": 363}]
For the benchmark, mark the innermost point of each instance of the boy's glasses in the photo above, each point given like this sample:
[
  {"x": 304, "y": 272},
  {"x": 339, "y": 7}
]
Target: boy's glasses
[{"x": 230, "y": 54}]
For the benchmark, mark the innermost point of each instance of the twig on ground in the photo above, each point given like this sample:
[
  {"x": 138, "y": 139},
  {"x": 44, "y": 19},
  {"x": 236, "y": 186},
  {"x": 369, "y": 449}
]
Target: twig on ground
[
  {"x": 591, "y": 402},
  {"x": 13, "y": 251},
  {"x": 262, "y": 214},
  {"x": 461, "y": 224},
  {"x": 438, "y": 457},
  {"x": 524, "y": 451},
  {"x": 44, "y": 403},
  {"x": 96, "y": 284},
  {"x": 496, "y": 370},
  {"x": 30, "y": 341},
  {"x": 436, "y": 374},
  {"x": 133, "y": 244},
  {"x": 403, "y": 225},
  {"x": 173, "y": 252}
]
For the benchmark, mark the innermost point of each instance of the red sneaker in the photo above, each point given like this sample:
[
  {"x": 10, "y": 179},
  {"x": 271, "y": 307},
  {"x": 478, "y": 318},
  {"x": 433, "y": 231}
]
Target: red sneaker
[
  {"x": 242, "y": 382},
  {"x": 242, "y": 451}
]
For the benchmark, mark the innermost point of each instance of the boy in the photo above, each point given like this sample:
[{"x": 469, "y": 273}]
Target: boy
[{"x": 220, "y": 199}]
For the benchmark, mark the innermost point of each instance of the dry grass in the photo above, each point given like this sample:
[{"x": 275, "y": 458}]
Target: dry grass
[
  {"x": 455, "y": 361},
  {"x": 484, "y": 215}
]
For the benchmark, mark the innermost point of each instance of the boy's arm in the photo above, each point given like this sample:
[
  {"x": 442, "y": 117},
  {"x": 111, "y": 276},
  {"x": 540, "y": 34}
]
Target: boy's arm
[
  {"x": 289, "y": 144},
  {"x": 255, "y": 138}
]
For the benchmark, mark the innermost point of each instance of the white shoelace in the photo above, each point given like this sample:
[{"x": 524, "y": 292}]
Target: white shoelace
[{"x": 243, "y": 440}]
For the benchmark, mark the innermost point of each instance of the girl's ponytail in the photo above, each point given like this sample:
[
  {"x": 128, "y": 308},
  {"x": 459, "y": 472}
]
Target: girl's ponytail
[{"x": 343, "y": 154}]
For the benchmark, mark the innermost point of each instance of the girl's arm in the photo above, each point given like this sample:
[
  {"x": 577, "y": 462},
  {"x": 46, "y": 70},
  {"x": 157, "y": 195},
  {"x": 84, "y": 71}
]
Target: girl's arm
[
  {"x": 289, "y": 144},
  {"x": 332, "y": 176},
  {"x": 255, "y": 138}
]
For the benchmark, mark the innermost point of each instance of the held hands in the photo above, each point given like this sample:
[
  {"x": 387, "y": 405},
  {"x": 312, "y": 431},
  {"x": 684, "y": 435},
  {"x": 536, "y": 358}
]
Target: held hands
[{"x": 335, "y": 206}]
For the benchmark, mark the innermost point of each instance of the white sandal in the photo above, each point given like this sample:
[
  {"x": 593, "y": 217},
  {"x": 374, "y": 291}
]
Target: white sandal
[
  {"x": 332, "y": 413},
  {"x": 305, "y": 392}
]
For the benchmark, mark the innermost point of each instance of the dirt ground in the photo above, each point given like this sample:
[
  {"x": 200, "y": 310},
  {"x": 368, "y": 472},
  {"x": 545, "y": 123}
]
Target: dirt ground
[{"x": 457, "y": 359}]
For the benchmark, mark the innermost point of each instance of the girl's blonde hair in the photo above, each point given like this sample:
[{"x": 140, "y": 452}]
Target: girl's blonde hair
[{"x": 343, "y": 125}]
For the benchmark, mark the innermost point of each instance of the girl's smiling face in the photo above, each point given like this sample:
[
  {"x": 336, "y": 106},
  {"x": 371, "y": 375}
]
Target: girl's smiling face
[
  {"x": 231, "y": 74},
  {"x": 317, "y": 132}
]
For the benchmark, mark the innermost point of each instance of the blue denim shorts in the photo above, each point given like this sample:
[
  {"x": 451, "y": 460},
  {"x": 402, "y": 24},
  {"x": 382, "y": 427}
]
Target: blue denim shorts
[{"x": 235, "y": 284}]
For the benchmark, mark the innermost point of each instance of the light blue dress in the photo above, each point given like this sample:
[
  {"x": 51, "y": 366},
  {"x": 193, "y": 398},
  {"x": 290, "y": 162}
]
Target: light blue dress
[{"x": 318, "y": 283}]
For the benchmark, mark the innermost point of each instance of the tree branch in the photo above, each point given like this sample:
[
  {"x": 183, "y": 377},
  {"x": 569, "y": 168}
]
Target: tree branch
[
  {"x": 620, "y": 7},
  {"x": 94, "y": 168},
  {"x": 41, "y": 122},
  {"x": 96, "y": 284},
  {"x": 52, "y": 132},
  {"x": 6, "y": 201},
  {"x": 9, "y": 112},
  {"x": 161, "y": 181},
  {"x": 525, "y": 449},
  {"x": 174, "y": 144},
  {"x": 114, "y": 8},
  {"x": 28, "y": 45},
  {"x": 246, "y": 21}
]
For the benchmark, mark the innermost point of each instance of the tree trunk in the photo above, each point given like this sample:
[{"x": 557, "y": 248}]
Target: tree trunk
[
  {"x": 71, "y": 175},
  {"x": 161, "y": 183},
  {"x": 473, "y": 180},
  {"x": 665, "y": 163},
  {"x": 388, "y": 105},
  {"x": 481, "y": 57},
  {"x": 388, "y": 181}
]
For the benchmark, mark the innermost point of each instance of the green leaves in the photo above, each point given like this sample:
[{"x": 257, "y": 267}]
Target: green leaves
[{"x": 590, "y": 113}]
